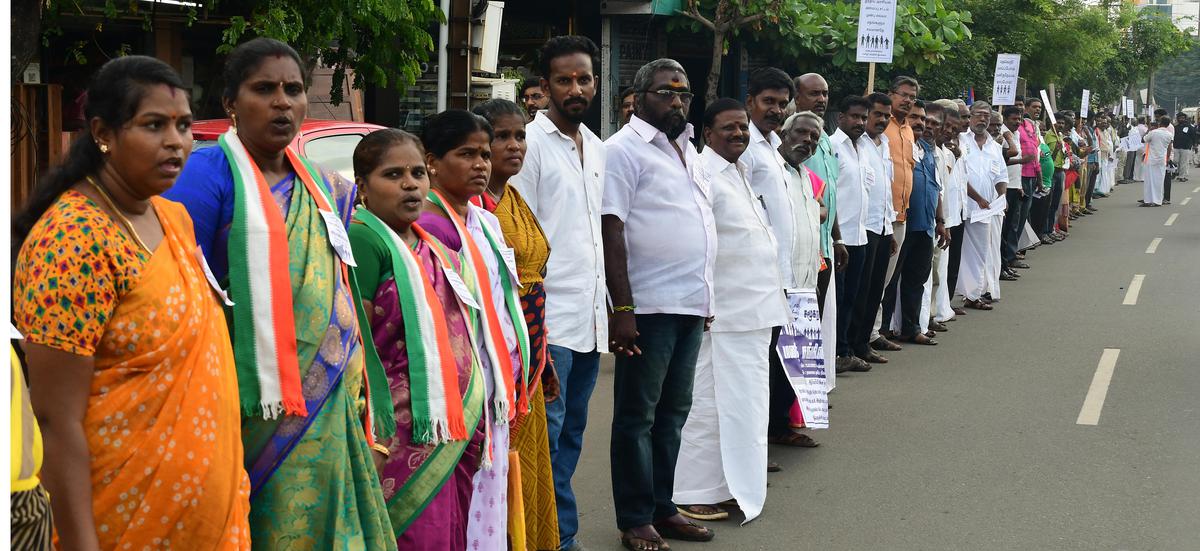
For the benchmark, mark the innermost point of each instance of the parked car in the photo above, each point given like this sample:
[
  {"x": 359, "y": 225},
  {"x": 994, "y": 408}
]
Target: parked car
[{"x": 329, "y": 144}]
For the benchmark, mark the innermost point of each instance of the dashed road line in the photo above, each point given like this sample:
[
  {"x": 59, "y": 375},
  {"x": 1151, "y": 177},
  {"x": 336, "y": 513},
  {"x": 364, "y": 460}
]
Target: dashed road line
[
  {"x": 1135, "y": 287},
  {"x": 1171, "y": 219},
  {"x": 1185, "y": 201},
  {"x": 1089, "y": 414},
  {"x": 1153, "y": 245}
]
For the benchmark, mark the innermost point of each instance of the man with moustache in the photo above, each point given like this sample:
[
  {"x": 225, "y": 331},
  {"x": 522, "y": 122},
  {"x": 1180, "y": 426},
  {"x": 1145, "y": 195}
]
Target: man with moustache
[
  {"x": 923, "y": 221},
  {"x": 625, "y": 107},
  {"x": 533, "y": 97},
  {"x": 901, "y": 144},
  {"x": 801, "y": 134},
  {"x": 768, "y": 92},
  {"x": 856, "y": 175},
  {"x": 880, "y": 243},
  {"x": 812, "y": 94},
  {"x": 659, "y": 250},
  {"x": 987, "y": 177},
  {"x": 562, "y": 181},
  {"x": 954, "y": 204},
  {"x": 723, "y": 449}
]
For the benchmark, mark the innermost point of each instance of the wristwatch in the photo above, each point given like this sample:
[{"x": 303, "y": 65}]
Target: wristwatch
[{"x": 838, "y": 242}]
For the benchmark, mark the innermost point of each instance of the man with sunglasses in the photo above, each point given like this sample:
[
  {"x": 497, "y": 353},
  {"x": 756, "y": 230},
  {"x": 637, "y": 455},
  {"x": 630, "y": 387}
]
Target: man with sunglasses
[{"x": 659, "y": 253}]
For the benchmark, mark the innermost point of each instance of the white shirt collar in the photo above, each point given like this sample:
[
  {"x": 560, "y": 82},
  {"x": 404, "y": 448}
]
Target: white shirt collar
[
  {"x": 715, "y": 163},
  {"x": 839, "y": 137},
  {"x": 648, "y": 132},
  {"x": 757, "y": 136}
]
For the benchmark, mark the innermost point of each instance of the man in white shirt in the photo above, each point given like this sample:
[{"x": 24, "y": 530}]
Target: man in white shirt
[
  {"x": 881, "y": 245},
  {"x": 723, "y": 452},
  {"x": 952, "y": 173},
  {"x": 562, "y": 181},
  {"x": 1158, "y": 150},
  {"x": 659, "y": 250},
  {"x": 987, "y": 178},
  {"x": 856, "y": 175},
  {"x": 768, "y": 92}
]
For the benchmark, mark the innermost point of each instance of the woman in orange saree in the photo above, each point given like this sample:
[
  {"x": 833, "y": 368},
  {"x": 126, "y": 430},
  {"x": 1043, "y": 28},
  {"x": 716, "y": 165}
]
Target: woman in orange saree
[{"x": 131, "y": 369}]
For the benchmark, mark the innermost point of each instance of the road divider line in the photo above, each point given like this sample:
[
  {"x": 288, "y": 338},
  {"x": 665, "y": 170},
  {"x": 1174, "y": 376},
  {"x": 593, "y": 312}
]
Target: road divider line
[
  {"x": 1171, "y": 219},
  {"x": 1135, "y": 287},
  {"x": 1197, "y": 190},
  {"x": 1089, "y": 414},
  {"x": 1153, "y": 245},
  {"x": 1185, "y": 201}
]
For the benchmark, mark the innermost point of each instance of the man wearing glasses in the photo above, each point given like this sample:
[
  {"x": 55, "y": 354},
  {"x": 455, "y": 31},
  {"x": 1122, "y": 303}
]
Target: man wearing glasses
[
  {"x": 659, "y": 252},
  {"x": 533, "y": 98}
]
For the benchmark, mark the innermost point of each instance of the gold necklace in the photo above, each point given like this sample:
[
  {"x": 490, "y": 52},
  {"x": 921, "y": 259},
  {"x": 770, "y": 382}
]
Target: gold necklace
[{"x": 128, "y": 225}]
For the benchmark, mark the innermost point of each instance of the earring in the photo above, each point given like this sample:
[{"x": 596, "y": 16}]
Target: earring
[
  {"x": 433, "y": 172},
  {"x": 104, "y": 148},
  {"x": 233, "y": 121}
]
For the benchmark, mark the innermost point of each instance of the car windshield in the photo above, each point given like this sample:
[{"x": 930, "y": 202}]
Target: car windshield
[{"x": 334, "y": 153}]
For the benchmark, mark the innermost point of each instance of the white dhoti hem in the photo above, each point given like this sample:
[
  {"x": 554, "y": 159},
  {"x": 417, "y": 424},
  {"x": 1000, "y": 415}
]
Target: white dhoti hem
[
  {"x": 829, "y": 333},
  {"x": 1139, "y": 172},
  {"x": 942, "y": 311},
  {"x": 994, "y": 261},
  {"x": 723, "y": 444},
  {"x": 1152, "y": 190},
  {"x": 973, "y": 276}
]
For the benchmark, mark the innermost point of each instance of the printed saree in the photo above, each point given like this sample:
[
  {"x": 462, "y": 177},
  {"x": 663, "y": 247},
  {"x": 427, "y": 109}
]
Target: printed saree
[
  {"x": 162, "y": 417},
  {"x": 314, "y": 485},
  {"x": 427, "y": 488}
]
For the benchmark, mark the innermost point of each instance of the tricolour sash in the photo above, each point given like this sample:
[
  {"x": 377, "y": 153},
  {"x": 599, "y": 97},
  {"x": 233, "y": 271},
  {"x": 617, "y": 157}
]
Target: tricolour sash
[
  {"x": 265, "y": 348},
  {"x": 493, "y": 335},
  {"x": 433, "y": 371}
]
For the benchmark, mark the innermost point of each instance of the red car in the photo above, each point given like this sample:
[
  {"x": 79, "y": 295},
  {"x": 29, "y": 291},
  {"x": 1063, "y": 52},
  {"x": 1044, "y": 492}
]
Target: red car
[{"x": 329, "y": 144}]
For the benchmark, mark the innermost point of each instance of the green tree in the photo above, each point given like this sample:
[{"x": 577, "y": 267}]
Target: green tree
[
  {"x": 925, "y": 30},
  {"x": 383, "y": 42}
]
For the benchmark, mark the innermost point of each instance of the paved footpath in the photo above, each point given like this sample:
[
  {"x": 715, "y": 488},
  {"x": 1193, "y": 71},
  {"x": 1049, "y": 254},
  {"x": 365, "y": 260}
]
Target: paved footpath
[{"x": 1066, "y": 419}]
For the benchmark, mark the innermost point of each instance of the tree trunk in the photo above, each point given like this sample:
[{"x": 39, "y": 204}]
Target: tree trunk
[
  {"x": 25, "y": 36},
  {"x": 714, "y": 72}
]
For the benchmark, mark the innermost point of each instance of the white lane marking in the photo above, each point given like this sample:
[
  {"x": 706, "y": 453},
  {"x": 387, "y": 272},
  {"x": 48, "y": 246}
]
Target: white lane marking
[
  {"x": 1171, "y": 219},
  {"x": 1153, "y": 245},
  {"x": 1197, "y": 190},
  {"x": 1089, "y": 414},
  {"x": 1185, "y": 201},
  {"x": 1135, "y": 287}
]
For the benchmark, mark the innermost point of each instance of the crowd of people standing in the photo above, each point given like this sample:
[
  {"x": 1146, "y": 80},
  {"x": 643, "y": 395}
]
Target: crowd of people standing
[{"x": 237, "y": 349}]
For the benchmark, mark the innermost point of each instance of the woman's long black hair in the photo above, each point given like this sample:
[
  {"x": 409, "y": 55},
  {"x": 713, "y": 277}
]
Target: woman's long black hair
[{"x": 113, "y": 96}]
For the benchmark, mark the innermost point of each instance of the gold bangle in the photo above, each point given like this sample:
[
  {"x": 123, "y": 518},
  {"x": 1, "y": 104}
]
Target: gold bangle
[
  {"x": 629, "y": 308},
  {"x": 381, "y": 449}
]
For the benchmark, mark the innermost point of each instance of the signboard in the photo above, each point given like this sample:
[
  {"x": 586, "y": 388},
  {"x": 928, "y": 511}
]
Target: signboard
[
  {"x": 1049, "y": 109},
  {"x": 801, "y": 350},
  {"x": 876, "y": 31},
  {"x": 1130, "y": 109},
  {"x": 1084, "y": 103},
  {"x": 1004, "y": 83},
  {"x": 1120, "y": 108}
]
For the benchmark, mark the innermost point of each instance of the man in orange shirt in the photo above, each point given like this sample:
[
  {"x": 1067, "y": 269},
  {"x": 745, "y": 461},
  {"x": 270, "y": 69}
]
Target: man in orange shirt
[{"x": 903, "y": 94}]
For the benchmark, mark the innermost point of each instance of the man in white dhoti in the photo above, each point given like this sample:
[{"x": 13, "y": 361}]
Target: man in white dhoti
[
  {"x": 1139, "y": 160},
  {"x": 723, "y": 447},
  {"x": 1108, "y": 156},
  {"x": 954, "y": 204},
  {"x": 986, "y": 182},
  {"x": 1158, "y": 150}
]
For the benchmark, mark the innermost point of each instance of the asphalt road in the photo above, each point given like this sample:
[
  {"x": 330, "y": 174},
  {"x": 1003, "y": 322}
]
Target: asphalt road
[{"x": 974, "y": 444}]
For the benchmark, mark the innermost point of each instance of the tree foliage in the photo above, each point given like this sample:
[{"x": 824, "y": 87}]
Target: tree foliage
[
  {"x": 926, "y": 30},
  {"x": 383, "y": 42}
]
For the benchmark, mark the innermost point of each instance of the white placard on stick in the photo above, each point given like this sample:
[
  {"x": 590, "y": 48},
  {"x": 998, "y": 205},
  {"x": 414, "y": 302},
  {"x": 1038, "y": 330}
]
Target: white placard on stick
[
  {"x": 1130, "y": 109},
  {"x": 1085, "y": 103},
  {"x": 1049, "y": 109},
  {"x": 876, "y": 31},
  {"x": 1004, "y": 84},
  {"x": 1120, "y": 109}
]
